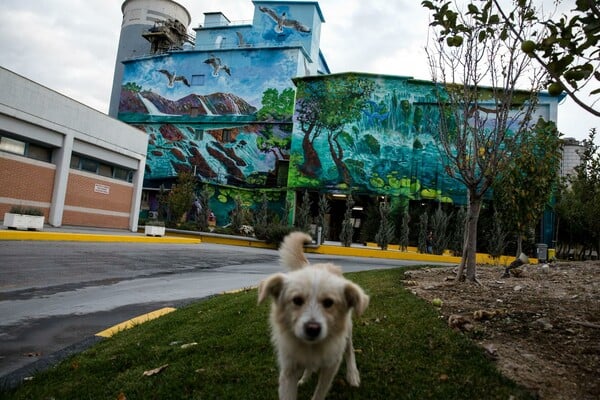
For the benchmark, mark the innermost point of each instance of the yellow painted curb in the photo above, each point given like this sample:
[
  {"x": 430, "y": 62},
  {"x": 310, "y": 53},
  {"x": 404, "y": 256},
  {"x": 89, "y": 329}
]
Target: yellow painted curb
[
  {"x": 90, "y": 237},
  {"x": 240, "y": 290},
  {"x": 405, "y": 255},
  {"x": 134, "y": 321},
  {"x": 236, "y": 242}
]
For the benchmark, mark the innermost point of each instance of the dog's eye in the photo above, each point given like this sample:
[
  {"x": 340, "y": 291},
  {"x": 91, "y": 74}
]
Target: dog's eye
[
  {"x": 327, "y": 303},
  {"x": 298, "y": 300}
]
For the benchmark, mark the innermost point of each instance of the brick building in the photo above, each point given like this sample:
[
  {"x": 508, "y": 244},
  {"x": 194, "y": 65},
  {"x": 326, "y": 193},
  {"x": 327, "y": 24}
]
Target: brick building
[{"x": 76, "y": 164}]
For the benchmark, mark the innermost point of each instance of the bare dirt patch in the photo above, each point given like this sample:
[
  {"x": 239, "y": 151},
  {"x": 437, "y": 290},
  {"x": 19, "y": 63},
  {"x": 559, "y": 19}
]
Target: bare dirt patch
[{"x": 541, "y": 328}]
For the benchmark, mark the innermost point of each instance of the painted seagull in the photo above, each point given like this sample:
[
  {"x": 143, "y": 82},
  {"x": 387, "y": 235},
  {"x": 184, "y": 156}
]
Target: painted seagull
[
  {"x": 282, "y": 21},
  {"x": 174, "y": 78},
  {"x": 217, "y": 65},
  {"x": 241, "y": 40}
]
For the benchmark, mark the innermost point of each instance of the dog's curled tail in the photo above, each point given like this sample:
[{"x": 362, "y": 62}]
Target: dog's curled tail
[{"x": 291, "y": 252}]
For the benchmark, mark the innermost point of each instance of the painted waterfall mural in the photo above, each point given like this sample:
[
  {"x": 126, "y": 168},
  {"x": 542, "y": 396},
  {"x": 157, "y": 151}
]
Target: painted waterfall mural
[{"x": 224, "y": 109}]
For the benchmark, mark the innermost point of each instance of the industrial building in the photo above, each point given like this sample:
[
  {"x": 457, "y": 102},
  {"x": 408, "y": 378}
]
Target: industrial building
[{"x": 227, "y": 105}]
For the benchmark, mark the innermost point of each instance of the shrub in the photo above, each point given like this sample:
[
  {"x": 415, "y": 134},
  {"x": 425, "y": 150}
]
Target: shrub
[
  {"x": 275, "y": 233},
  {"x": 26, "y": 210},
  {"x": 154, "y": 222}
]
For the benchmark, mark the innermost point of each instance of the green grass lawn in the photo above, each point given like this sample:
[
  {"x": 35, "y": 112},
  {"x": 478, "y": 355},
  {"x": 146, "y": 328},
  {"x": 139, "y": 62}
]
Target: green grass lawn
[{"x": 404, "y": 351}]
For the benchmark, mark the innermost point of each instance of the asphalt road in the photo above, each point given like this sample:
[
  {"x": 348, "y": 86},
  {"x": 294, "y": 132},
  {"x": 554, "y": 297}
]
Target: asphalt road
[{"x": 55, "y": 296}]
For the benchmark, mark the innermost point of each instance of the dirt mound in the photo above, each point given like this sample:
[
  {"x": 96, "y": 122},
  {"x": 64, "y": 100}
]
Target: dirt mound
[{"x": 542, "y": 328}]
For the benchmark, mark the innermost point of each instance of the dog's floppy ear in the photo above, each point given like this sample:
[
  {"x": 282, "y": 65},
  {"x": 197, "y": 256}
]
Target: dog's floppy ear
[
  {"x": 356, "y": 298},
  {"x": 272, "y": 286}
]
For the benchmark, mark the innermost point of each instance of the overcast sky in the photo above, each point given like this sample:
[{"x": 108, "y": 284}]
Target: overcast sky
[{"x": 70, "y": 45}]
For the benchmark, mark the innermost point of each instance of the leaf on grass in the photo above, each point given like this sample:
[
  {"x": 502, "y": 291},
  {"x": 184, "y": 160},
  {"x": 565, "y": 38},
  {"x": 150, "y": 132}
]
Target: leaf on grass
[
  {"x": 155, "y": 370},
  {"x": 186, "y": 345},
  {"x": 121, "y": 396}
]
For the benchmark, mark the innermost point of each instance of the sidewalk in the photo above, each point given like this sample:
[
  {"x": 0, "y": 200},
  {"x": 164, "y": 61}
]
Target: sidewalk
[{"x": 87, "y": 234}]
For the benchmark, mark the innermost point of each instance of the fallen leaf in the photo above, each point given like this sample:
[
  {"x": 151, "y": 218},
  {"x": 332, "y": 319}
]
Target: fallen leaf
[
  {"x": 155, "y": 370},
  {"x": 121, "y": 396},
  {"x": 186, "y": 345}
]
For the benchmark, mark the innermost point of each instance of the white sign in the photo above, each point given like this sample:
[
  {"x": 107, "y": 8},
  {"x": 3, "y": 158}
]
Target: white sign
[{"x": 99, "y": 188}]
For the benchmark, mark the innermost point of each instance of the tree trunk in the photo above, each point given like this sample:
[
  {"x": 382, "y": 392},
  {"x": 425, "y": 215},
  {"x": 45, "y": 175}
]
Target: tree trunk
[
  {"x": 469, "y": 254},
  {"x": 519, "y": 245},
  {"x": 337, "y": 154},
  {"x": 311, "y": 166}
]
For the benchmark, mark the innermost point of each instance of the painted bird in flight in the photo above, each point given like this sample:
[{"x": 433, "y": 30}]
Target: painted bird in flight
[
  {"x": 217, "y": 65},
  {"x": 174, "y": 78},
  {"x": 282, "y": 21}
]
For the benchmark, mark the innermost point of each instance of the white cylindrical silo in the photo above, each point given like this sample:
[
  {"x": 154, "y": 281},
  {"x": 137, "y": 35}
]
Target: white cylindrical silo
[{"x": 138, "y": 17}]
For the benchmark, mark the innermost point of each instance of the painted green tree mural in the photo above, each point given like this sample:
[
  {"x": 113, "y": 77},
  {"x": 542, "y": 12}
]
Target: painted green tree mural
[
  {"x": 325, "y": 107},
  {"x": 276, "y": 106}
]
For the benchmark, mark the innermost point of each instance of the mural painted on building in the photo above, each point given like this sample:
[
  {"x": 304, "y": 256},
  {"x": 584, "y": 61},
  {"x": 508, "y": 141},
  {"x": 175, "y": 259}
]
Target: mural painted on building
[
  {"x": 223, "y": 202},
  {"x": 223, "y": 110},
  {"x": 369, "y": 134}
]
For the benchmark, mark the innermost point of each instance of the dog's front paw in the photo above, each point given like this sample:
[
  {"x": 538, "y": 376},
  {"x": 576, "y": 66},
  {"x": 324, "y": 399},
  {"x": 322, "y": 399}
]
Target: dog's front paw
[
  {"x": 305, "y": 377},
  {"x": 353, "y": 377}
]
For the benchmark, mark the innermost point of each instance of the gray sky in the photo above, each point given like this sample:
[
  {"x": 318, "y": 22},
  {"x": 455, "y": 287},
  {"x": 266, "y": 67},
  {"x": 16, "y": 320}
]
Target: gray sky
[{"x": 70, "y": 45}]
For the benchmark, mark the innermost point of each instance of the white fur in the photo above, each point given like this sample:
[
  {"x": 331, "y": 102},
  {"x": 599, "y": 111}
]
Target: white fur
[{"x": 311, "y": 320}]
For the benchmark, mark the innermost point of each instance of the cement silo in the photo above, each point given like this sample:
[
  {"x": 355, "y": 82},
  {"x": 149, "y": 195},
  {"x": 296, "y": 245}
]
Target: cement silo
[{"x": 148, "y": 26}]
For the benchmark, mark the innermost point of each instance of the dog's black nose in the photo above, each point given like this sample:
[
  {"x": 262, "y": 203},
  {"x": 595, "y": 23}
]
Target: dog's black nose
[{"x": 312, "y": 329}]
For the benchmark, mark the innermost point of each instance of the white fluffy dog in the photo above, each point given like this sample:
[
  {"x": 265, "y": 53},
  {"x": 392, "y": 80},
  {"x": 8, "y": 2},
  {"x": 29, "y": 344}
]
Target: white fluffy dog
[{"x": 311, "y": 319}]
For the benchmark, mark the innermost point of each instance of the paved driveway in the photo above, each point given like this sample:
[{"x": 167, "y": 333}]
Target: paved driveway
[{"x": 57, "y": 295}]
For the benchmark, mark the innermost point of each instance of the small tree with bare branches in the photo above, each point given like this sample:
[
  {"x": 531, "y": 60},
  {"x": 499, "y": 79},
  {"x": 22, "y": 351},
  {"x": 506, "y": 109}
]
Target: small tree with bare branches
[{"x": 480, "y": 76}]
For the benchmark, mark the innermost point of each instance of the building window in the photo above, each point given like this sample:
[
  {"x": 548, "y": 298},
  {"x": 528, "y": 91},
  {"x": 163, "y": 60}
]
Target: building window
[
  {"x": 22, "y": 148},
  {"x": 123, "y": 174},
  {"x": 96, "y": 167},
  {"x": 12, "y": 146},
  {"x": 198, "y": 80},
  {"x": 86, "y": 164}
]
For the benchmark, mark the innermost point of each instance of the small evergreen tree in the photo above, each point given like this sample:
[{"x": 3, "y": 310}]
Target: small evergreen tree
[
  {"x": 240, "y": 215},
  {"x": 347, "y": 226},
  {"x": 497, "y": 237},
  {"x": 439, "y": 226},
  {"x": 370, "y": 225},
  {"x": 423, "y": 225},
  {"x": 204, "y": 212},
  {"x": 163, "y": 204},
  {"x": 181, "y": 196},
  {"x": 404, "y": 229},
  {"x": 458, "y": 233},
  {"x": 261, "y": 220},
  {"x": 287, "y": 208},
  {"x": 303, "y": 219},
  {"x": 322, "y": 222},
  {"x": 385, "y": 234}
]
